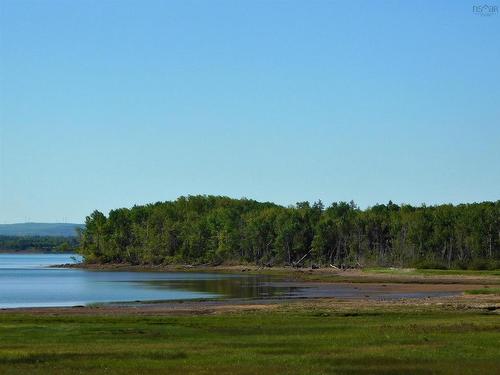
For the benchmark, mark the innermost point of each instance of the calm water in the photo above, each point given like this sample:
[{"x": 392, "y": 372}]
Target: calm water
[{"x": 27, "y": 280}]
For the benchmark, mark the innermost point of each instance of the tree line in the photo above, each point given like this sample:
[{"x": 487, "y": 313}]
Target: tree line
[
  {"x": 216, "y": 229},
  {"x": 46, "y": 244}
]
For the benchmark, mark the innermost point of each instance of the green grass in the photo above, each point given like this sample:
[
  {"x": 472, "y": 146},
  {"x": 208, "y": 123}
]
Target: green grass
[
  {"x": 394, "y": 275},
  {"x": 286, "y": 341},
  {"x": 494, "y": 291},
  {"x": 415, "y": 271},
  {"x": 306, "y": 274}
]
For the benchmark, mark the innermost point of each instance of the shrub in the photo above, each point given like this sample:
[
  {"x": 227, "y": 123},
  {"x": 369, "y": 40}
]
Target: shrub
[{"x": 429, "y": 264}]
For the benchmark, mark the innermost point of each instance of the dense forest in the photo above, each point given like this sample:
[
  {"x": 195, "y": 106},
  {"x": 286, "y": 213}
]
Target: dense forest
[
  {"x": 38, "y": 243},
  {"x": 213, "y": 229}
]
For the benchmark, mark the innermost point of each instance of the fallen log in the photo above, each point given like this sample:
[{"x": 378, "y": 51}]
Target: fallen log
[{"x": 297, "y": 263}]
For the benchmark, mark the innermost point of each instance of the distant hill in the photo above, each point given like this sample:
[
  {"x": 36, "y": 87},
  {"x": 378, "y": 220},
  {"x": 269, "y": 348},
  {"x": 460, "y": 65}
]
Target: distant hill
[{"x": 39, "y": 229}]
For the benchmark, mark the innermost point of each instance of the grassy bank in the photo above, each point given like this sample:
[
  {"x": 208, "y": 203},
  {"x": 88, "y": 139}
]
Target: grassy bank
[
  {"x": 431, "y": 272},
  {"x": 493, "y": 291},
  {"x": 287, "y": 340}
]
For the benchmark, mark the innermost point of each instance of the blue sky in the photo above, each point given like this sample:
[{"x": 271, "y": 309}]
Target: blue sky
[{"x": 106, "y": 104}]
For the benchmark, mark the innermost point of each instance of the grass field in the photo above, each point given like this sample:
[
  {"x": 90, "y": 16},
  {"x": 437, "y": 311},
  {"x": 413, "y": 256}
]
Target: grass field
[
  {"x": 282, "y": 341},
  {"x": 415, "y": 271}
]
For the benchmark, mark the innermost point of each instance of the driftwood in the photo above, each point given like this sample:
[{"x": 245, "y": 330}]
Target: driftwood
[
  {"x": 297, "y": 263},
  {"x": 331, "y": 265}
]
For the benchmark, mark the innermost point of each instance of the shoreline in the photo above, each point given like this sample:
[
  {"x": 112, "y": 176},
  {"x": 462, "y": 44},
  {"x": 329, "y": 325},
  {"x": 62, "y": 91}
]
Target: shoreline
[
  {"x": 373, "y": 290},
  {"x": 320, "y": 287},
  {"x": 333, "y": 275},
  {"x": 461, "y": 302}
]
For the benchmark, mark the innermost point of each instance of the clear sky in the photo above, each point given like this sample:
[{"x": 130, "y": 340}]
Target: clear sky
[{"x": 106, "y": 104}]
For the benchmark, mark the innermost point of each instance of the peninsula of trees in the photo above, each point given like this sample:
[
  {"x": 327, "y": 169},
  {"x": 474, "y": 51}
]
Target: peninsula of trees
[{"x": 215, "y": 229}]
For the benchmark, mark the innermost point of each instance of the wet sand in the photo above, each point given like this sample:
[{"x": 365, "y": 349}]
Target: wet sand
[
  {"x": 483, "y": 303},
  {"x": 334, "y": 296},
  {"x": 327, "y": 287}
]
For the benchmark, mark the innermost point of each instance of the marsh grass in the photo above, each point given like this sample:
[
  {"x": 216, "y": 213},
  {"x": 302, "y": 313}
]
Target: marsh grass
[
  {"x": 494, "y": 291},
  {"x": 438, "y": 272},
  {"x": 283, "y": 341}
]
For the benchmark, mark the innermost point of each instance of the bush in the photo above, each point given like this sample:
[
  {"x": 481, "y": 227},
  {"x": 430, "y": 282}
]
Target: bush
[
  {"x": 460, "y": 265},
  {"x": 483, "y": 264},
  {"x": 429, "y": 264}
]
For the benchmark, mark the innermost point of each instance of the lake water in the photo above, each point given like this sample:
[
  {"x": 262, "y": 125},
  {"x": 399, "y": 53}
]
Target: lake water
[{"x": 27, "y": 280}]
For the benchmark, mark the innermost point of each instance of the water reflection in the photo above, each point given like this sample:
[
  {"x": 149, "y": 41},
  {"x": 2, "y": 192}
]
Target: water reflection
[
  {"x": 241, "y": 287},
  {"x": 26, "y": 281}
]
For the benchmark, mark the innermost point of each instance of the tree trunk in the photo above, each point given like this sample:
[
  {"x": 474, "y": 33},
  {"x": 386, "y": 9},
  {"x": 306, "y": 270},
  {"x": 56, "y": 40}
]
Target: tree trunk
[{"x": 450, "y": 255}]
